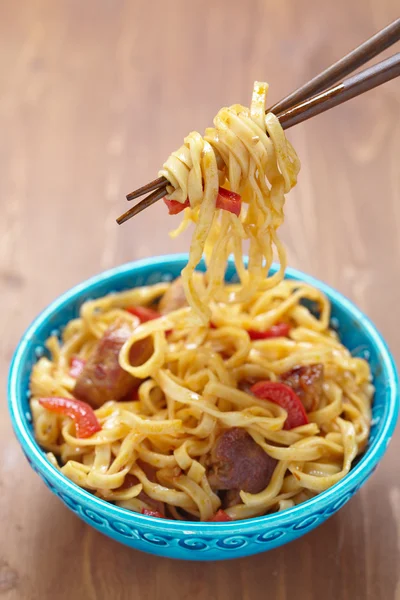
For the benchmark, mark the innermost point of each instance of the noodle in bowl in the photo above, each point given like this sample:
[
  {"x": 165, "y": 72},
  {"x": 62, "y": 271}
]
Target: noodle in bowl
[{"x": 201, "y": 540}]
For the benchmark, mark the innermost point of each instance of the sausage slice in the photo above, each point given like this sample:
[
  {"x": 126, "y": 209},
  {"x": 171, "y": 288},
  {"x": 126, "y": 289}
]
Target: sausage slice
[
  {"x": 307, "y": 382},
  {"x": 173, "y": 298},
  {"x": 102, "y": 377},
  {"x": 237, "y": 462}
]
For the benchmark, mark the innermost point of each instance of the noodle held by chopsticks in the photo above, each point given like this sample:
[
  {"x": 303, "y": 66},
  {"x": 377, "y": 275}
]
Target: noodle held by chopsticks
[
  {"x": 199, "y": 399},
  {"x": 247, "y": 152}
]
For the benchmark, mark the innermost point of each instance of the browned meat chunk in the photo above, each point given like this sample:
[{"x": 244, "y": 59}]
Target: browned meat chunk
[
  {"x": 307, "y": 382},
  {"x": 156, "y": 505},
  {"x": 237, "y": 462},
  {"x": 102, "y": 378},
  {"x": 245, "y": 385},
  {"x": 231, "y": 498},
  {"x": 131, "y": 480},
  {"x": 173, "y": 298}
]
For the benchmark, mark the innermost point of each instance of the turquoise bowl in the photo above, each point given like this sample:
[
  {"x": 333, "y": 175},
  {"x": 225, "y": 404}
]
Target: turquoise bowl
[{"x": 201, "y": 541}]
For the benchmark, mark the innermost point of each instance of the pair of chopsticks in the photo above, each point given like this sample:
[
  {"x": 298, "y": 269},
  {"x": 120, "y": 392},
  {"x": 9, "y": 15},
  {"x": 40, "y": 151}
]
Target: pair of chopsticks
[{"x": 312, "y": 98}]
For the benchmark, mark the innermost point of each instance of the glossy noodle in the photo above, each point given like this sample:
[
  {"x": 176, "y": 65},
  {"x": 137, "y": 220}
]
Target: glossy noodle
[
  {"x": 200, "y": 400},
  {"x": 248, "y": 152}
]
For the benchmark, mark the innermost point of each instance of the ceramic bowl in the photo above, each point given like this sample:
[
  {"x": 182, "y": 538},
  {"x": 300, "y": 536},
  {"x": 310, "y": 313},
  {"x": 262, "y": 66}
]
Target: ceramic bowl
[{"x": 201, "y": 541}]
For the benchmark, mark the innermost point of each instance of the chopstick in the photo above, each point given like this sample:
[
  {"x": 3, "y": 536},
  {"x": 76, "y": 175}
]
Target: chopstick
[
  {"x": 145, "y": 203},
  {"x": 149, "y": 187},
  {"x": 348, "y": 64},
  {"x": 299, "y": 106},
  {"x": 349, "y": 88}
]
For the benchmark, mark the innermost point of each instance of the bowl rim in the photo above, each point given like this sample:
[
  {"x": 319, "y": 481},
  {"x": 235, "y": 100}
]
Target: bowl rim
[{"x": 359, "y": 473}]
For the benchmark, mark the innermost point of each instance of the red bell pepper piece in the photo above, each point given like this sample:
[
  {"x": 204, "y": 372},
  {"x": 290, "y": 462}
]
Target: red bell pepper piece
[
  {"x": 226, "y": 200},
  {"x": 175, "y": 207},
  {"x": 144, "y": 313},
  {"x": 278, "y": 330},
  {"x": 152, "y": 513},
  {"x": 77, "y": 365},
  {"x": 220, "y": 517},
  {"x": 86, "y": 422},
  {"x": 284, "y": 396},
  {"x": 229, "y": 201}
]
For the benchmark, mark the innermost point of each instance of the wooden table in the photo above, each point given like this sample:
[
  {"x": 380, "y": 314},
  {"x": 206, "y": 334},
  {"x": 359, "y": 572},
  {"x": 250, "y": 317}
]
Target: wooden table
[{"x": 94, "y": 96}]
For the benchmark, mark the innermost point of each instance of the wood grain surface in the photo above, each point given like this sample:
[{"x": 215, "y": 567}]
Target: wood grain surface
[{"x": 94, "y": 94}]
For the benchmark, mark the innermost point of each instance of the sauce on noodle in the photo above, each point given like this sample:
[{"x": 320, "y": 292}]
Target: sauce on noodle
[{"x": 197, "y": 399}]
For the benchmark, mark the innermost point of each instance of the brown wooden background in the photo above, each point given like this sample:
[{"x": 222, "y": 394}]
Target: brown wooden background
[{"x": 93, "y": 97}]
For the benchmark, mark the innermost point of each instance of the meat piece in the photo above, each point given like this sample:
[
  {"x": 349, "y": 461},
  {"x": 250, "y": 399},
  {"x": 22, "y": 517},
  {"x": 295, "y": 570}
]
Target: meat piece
[
  {"x": 148, "y": 470},
  {"x": 173, "y": 298},
  {"x": 130, "y": 480},
  {"x": 306, "y": 381},
  {"x": 102, "y": 378},
  {"x": 231, "y": 498},
  {"x": 155, "y": 504},
  {"x": 150, "y": 473},
  {"x": 245, "y": 385},
  {"x": 237, "y": 462}
]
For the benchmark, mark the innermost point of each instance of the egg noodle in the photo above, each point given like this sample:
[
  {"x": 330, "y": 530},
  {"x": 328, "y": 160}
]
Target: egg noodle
[
  {"x": 247, "y": 151},
  {"x": 155, "y": 447}
]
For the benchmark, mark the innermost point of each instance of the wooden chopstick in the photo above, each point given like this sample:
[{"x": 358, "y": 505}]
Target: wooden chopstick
[
  {"x": 349, "y": 88},
  {"x": 145, "y": 203},
  {"x": 299, "y": 106},
  {"x": 146, "y": 188},
  {"x": 348, "y": 64}
]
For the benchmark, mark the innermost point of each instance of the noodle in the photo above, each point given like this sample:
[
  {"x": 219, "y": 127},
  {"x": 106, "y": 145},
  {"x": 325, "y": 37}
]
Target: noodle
[
  {"x": 187, "y": 375},
  {"x": 192, "y": 396},
  {"x": 248, "y": 151}
]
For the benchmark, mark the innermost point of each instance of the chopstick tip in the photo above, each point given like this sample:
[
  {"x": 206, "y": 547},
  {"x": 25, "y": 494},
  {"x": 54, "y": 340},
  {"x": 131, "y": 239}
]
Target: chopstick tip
[{"x": 145, "y": 203}]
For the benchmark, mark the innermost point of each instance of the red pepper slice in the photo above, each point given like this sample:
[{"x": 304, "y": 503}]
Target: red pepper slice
[
  {"x": 226, "y": 200},
  {"x": 278, "y": 330},
  {"x": 152, "y": 513},
  {"x": 77, "y": 365},
  {"x": 144, "y": 313},
  {"x": 284, "y": 396},
  {"x": 229, "y": 201},
  {"x": 86, "y": 422},
  {"x": 175, "y": 207},
  {"x": 220, "y": 517}
]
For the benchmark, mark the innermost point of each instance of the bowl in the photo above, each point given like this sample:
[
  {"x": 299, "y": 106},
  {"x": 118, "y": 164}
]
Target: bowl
[{"x": 194, "y": 540}]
